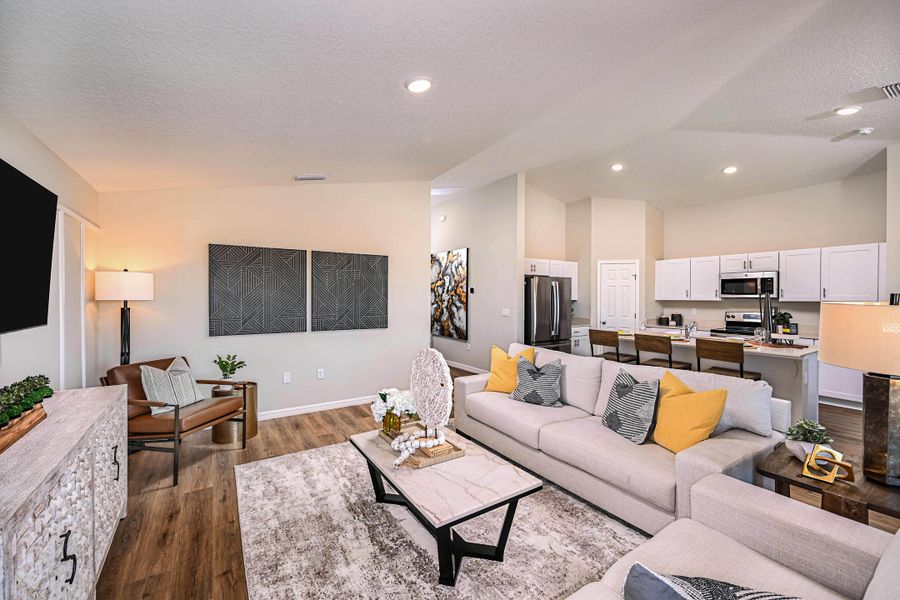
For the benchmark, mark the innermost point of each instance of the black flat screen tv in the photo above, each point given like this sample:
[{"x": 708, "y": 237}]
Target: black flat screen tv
[{"x": 26, "y": 248}]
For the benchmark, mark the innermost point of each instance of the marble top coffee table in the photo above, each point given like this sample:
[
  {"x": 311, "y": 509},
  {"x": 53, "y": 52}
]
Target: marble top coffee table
[{"x": 449, "y": 493}]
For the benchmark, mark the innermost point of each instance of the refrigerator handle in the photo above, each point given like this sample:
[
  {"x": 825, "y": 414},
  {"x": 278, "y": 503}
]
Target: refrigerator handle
[
  {"x": 534, "y": 284},
  {"x": 555, "y": 296}
]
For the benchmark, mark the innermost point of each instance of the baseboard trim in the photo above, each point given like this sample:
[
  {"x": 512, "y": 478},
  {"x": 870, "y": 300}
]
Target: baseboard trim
[
  {"x": 851, "y": 404},
  {"x": 459, "y": 365},
  {"x": 311, "y": 408}
]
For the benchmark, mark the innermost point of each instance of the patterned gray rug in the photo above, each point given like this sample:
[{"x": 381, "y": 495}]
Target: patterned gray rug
[{"x": 310, "y": 528}]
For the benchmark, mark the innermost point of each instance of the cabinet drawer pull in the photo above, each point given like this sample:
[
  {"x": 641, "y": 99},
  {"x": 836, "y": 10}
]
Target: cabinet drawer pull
[
  {"x": 115, "y": 461},
  {"x": 67, "y": 557}
]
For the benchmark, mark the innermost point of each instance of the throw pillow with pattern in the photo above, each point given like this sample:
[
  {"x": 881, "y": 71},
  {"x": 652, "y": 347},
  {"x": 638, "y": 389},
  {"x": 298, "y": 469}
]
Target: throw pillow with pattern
[
  {"x": 175, "y": 385},
  {"x": 631, "y": 407},
  {"x": 644, "y": 584},
  {"x": 538, "y": 385}
]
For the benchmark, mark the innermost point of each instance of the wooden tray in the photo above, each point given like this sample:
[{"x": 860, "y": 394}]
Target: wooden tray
[
  {"x": 771, "y": 345},
  {"x": 425, "y": 457},
  {"x": 16, "y": 429}
]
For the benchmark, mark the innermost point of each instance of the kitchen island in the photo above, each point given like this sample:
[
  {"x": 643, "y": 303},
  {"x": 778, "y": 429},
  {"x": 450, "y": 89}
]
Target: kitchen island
[{"x": 792, "y": 372}]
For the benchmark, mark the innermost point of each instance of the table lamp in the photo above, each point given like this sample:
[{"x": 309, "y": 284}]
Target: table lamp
[
  {"x": 123, "y": 286},
  {"x": 865, "y": 336}
]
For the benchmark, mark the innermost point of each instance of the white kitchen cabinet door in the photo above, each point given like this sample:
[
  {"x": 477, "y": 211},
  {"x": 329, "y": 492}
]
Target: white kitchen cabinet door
[
  {"x": 800, "y": 275},
  {"x": 841, "y": 383},
  {"x": 850, "y": 273},
  {"x": 762, "y": 261},
  {"x": 566, "y": 268},
  {"x": 581, "y": 346},
  {"x": 705, "y": 278},
  {"x": 733, "y": 263},
  {"x": 537, "y": 266},
  {"x": 673, "y": 279},
  {"x": 558, "y": 268}
]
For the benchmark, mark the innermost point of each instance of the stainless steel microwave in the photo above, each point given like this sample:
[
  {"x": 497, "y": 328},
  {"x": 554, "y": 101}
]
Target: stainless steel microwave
[{"x": 748, "y": 285}]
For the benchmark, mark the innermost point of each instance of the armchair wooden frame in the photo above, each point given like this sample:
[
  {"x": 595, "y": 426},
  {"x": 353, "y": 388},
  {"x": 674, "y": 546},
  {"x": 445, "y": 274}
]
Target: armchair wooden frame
[{"x": 147, "y": 441}]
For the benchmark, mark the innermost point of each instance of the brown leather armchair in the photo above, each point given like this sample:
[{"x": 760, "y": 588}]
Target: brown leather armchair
[{"x": 145, "y": 428}]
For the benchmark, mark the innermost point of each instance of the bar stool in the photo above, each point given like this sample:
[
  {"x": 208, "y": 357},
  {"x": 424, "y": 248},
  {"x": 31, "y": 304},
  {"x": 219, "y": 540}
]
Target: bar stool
[
  {"x": 659, "y": 344},
  {"x": 603, "y": 337},
  {"x": 725, "y": 351}
]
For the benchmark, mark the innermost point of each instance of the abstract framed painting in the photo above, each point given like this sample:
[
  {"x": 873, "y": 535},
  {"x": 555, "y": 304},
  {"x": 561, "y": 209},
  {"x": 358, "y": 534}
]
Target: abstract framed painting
[
  {"x": 450, "y": 294},
  {"x": 256, "y": 290}
]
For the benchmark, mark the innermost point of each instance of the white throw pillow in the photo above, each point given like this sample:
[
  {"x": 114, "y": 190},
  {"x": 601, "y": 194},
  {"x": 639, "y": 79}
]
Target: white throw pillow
[
  {"x": 175, "y": 385},
  {"x": 748, "y": 405}
]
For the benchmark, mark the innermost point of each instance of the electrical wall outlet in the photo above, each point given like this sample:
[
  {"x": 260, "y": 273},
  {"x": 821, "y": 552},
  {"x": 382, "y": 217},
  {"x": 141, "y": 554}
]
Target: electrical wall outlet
[
  {"x": 286, "y": 377},
  {"x": 504, "y": 312},
  {"x": 693, "y": 311},
  {"x": 468, "y": 347},
  {"x": 320, "y": 373}
]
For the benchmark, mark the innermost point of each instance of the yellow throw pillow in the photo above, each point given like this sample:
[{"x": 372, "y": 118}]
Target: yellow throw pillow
[
  {"x": 686, "y": 417},
  {"x": 503, "y": 369}
]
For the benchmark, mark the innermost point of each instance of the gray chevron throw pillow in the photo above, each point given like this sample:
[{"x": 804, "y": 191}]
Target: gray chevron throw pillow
[
  {"x": 538, "y": 385},
  {"x": 631, "y": 407},
  {"x": 644, "y": 584}
]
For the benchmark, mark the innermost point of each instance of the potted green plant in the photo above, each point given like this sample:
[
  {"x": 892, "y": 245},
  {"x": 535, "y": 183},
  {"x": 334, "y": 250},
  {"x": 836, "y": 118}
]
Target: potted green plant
[
  {"x": 228, "y": 366},
  {"x": 802, "y": 437},
  {"x": 782, "y": 320}
]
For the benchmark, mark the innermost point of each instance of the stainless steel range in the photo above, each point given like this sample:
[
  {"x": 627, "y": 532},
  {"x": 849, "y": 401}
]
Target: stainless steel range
[{"x": 739, "y": 324}]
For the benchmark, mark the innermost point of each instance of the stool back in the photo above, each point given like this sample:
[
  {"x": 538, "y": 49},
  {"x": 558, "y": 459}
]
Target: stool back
[
  {"x": 722, "y": 350},
  {"x": 604, "y": 337}
]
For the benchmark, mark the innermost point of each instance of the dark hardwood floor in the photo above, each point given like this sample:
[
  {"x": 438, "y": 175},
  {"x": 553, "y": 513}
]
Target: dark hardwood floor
[{"x": 184, "y": 542}]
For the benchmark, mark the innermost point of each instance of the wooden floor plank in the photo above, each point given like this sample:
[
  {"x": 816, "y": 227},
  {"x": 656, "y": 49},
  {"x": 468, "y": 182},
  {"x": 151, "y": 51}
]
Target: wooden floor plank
[{"x": 184, "y": 541}]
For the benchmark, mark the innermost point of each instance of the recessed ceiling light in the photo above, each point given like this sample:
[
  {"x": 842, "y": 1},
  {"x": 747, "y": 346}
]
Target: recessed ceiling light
[
  {"x": 865, "y": 130},
  {"x": 846, "y": 111},
  {"x": 617, "y": 167},
  {"x": 730, "y": 170},
  {"x": 418, "y": 85}
]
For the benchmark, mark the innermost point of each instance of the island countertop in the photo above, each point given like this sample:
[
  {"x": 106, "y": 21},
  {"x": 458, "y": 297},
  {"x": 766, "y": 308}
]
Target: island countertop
[{"x": 787, "y": 352}]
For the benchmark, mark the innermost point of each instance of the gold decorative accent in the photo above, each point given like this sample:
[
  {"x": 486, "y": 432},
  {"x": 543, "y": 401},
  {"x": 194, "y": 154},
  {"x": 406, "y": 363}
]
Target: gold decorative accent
[{"x": 813, "y": 468}]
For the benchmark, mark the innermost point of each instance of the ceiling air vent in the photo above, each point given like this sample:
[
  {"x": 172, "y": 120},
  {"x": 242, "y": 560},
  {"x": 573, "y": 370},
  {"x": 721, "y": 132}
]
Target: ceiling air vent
[
  {"x": 311, "y": 177},
  {"x": 892, "y": 90}
]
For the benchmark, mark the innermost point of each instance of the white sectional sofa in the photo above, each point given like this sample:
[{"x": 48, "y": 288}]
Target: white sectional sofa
[
  {"x": 645, "y": 485},
  {"x": 754, "y": 538}
]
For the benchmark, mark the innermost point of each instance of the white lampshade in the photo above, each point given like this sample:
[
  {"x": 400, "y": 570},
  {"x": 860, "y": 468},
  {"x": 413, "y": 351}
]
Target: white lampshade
[
  {"x": 123, "y": 285},
  {"x": 864, "y": 336}
]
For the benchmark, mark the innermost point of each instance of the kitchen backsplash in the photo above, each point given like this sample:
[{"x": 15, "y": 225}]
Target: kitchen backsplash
[{"x": 712, "y": 314}]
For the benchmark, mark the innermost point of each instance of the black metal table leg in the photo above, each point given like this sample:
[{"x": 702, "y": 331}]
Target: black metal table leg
[
  {"x": 446, "y": 558},
  {"x": 380, "y": 495}
]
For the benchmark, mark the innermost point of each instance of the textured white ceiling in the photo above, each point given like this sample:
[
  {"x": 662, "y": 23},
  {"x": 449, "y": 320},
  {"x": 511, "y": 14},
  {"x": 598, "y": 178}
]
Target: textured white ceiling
[{"x": 161, "y": 94}]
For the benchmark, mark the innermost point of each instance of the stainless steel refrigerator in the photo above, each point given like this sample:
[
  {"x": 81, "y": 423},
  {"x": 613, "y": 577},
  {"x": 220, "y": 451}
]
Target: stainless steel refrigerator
[{"x": 548, "y": 312}]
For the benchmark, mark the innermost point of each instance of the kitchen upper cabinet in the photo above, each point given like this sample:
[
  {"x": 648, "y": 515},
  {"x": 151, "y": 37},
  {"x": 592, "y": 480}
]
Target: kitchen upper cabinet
[
  {"x": 800, "y": 275},
  {"x": 566, "y": 268},
  {"x": 850, "y": 273},
  {"x": 733, "y": 263},
  {"x": 673, "y": 279},
  {"x": 762, "y": 261},
  {"x": 537, "y": 266},
  {"x": 705, "y": 278}
]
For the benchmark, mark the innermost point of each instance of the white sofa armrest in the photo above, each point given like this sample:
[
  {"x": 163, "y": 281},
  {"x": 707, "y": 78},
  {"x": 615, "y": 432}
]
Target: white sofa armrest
[
  {"x": 801, "y": 537},
  {"x": 735, "y": 452},
  {"x": 781, "y": 414},
  {"x": 465, "y": 386}
]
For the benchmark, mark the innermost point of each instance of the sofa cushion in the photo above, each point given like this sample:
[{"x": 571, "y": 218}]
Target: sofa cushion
[
  {"x": 646, "y": 471},
  {"x": 503, "y": 368},
  {"x": 518, "y": 420},
  {"x": 580, "y": 382},
  {"x": 631, "y": 407},
  {"x": 690, "y": 549},
  {"x": 884, "y": 583},
  {"x": 538, "y": 385},
  {"x": 748, "y": 405}
]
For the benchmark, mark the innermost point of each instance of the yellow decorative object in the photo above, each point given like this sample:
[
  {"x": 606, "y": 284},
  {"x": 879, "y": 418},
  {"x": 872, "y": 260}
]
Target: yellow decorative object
[
  {"x": 503, "y": 369},
  {"x": 685, "y": 417},
  {"x": 813, "y": 469}
]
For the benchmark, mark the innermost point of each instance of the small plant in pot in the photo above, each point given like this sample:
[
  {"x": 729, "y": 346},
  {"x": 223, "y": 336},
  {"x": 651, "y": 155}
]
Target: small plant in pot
[
  {"x": 803, "y": 436},
  {"x": 228, "y": 366},
  {"x": 782, "y": 320}
]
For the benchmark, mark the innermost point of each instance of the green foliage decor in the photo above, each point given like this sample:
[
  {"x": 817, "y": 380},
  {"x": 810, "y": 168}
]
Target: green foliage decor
[
  {"x": 782, "y": 318},
  {"x": 23, "y": 396},
  {"x": 806, "y": 430},
  {"x": 229, "y": 365}
]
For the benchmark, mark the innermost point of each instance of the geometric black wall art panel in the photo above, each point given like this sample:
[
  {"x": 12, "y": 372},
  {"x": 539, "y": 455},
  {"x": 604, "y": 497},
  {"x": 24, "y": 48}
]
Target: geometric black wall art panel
[
  {"x": 256, "y": 290},
  {"x": 349, "y": 291}
]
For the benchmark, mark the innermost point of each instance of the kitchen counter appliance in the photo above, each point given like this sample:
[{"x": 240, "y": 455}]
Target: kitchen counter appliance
[
  {"x": 739, "y": 324},
  {"x": 548, "y": 312},
  {"x": 748, "y": 285}
]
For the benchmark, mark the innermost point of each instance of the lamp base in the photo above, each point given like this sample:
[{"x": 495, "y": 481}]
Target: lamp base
[{"x": 881, "y": 428}]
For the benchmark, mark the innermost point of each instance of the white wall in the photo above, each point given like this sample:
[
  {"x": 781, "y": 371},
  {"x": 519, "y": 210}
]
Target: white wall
[
  {"x": 545, "y": 225},
  {"x": 892, "y": 234},
  {"x": 37, "y": 350},
  {"x": 168, "y": 232},
  {"x": 489, "y": 222},
  {"x": 847, "y": 211},
  {"x": 578, "y": 249}
]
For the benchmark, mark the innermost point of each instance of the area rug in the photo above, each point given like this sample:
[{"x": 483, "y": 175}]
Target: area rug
[{"x": 310, "y": 528}]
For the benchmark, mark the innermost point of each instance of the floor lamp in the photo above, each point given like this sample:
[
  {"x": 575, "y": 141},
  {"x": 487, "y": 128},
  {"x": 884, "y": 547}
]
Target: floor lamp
[
  {"x": 123, "y": 286},
  {"x": 865, "y": 336}
]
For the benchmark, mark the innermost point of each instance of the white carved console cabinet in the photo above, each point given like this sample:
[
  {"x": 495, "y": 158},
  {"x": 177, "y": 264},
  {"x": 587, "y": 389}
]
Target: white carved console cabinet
[{"x": 63, "y": 489}]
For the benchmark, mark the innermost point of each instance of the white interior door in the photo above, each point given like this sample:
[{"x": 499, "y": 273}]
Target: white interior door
[{"x": 618, "y": 293}]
